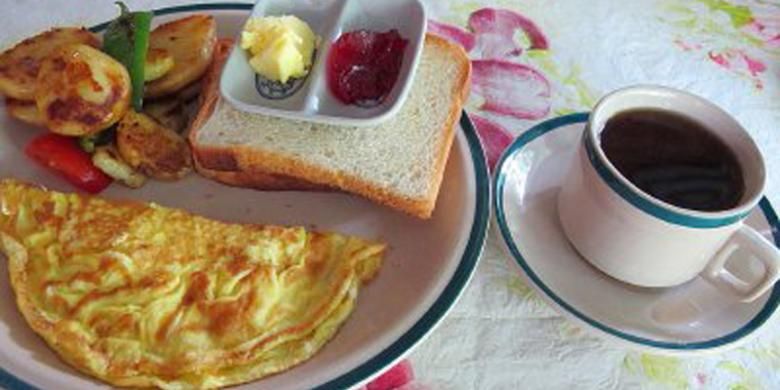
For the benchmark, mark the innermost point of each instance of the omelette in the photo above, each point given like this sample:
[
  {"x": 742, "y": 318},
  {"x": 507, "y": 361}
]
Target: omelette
[{"x": 142, "y": 295}]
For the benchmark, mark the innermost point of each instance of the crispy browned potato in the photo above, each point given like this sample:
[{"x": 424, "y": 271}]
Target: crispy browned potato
[
  {"x": 169, "y": 112},
  {"x": 25, "y": 111},
  {"x": 158, "y": 63},
  {"x": 81, "y": 90},
  {"x": 19, "y": 65},
  {"x": 191, "y": 43},
  {"x": 151, "y": 148}
]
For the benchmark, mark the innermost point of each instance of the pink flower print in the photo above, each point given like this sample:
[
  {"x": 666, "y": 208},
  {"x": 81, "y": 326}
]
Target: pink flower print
[
  {"x": 453, "y": 33},
  {"x": 511, "y": 89},
  {"x": 495, "y": 138},
  {"x": 719, "y": 59},
  {"x": 740, "y": 63},
  {"x": 765, "y": 29},
  {"x": 687, "y": 46},
  {"x": 495, "y": 32},
  {"x": 393, "y": 378},
  {"x": 754, "y": 66}
]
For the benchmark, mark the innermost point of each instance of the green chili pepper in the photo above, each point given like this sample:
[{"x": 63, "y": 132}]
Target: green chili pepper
[
  {"x": 127, "y": 40},
  {"x": 88, "y": 143}
]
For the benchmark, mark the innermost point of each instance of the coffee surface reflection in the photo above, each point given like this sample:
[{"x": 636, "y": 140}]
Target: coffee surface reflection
[{"x": 674, "y": 159}]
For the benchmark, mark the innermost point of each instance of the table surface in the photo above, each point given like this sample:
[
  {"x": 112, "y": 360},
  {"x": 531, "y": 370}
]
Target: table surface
[{"x": 566, "y": 54}]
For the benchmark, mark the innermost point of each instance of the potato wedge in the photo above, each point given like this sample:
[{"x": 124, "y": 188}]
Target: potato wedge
[
  {"x": 169, "y": 112},
  {"x": 81, "y": 90},
  {"x": 191, "y": 43},
  {"x": 107, "y": 159},
  {"x": 25, "y": 111},
  {"x": 158, "y": 63},
  {"x": 151, "y": 148},
  {"x": 19, "y": 65}
]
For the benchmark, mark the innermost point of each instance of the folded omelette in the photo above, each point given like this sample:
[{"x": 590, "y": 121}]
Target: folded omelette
[{"x": 142, "y": 295}]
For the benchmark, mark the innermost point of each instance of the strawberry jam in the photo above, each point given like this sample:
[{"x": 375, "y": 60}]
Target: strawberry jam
[{"x": 363, "y": 66}]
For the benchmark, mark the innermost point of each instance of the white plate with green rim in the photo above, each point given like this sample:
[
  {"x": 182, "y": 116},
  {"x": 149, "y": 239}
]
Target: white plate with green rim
[
  {"x": 428, "y": 265},
  {"x": 685, "y": 320}
]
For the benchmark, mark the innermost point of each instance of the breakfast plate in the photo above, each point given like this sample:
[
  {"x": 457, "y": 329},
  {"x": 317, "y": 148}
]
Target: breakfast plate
[
  {"x": 689, "y": 319},
  {"x": 428, "y": 264}
]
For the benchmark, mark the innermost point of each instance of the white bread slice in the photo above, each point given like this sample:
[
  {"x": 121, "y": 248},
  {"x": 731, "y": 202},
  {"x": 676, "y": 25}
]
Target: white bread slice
[
  {"x": 399, "y": 163},
  {"x": 207, "y": 102}
]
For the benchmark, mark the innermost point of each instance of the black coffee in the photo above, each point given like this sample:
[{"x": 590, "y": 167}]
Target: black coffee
[{"x": 674, "y": 159}]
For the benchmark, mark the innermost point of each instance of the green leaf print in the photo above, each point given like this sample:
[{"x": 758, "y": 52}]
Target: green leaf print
[{"x": 740, "y": 15}]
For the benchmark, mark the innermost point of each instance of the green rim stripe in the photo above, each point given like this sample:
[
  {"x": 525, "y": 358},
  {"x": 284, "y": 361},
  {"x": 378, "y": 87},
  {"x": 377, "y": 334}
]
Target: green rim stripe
[
  {"x": 440, "y": 307},
  {"x": 653, "y": 209},
  {"x": 9, "y": 381},
  {"x": 498, "y": 201}
]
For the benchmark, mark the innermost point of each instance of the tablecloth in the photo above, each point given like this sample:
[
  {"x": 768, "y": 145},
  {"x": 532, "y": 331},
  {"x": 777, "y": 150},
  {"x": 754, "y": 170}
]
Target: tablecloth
[{"x": 535, "y": 59}]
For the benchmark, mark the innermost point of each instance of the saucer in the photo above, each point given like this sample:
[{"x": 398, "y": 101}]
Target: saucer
[{"x": 691, "y": 318}]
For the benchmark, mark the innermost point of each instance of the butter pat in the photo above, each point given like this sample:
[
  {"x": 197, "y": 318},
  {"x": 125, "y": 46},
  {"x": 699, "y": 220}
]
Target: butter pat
[{"x": 281, "y": 47}]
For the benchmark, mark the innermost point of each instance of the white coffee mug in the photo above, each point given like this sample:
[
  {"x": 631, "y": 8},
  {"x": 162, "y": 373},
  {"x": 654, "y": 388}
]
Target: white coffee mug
[{"x": 636, "y": 238}]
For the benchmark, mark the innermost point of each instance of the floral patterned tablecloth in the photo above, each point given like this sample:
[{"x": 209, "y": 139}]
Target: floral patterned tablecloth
[{"x": 535, "y": 59}]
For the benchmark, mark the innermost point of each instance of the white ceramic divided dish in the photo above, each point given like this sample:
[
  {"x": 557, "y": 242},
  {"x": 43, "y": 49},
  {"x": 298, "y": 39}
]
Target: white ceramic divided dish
[
  {"x": 688, "y": 319},
  {"x": 427, "y": 266},
  {"x": 310, "y": 99}
]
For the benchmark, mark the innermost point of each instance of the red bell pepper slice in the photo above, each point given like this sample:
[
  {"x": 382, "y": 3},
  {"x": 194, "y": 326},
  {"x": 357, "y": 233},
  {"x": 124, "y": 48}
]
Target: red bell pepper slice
[{"x": 63, "y": 155}]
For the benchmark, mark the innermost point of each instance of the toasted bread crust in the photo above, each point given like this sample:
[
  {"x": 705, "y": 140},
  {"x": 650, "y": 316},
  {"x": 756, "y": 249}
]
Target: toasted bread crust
[
  {"x": 207, "y": 101},
  {"x": 259, "y": 181},
  {"x": 227, "y": 172},
  {"x": 245, "y": 166},
  {"x": 460, "y": 94}
]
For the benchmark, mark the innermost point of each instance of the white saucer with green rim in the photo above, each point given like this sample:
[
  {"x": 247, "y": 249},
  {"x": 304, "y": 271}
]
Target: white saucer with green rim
[{"x": 688, "y": 319}]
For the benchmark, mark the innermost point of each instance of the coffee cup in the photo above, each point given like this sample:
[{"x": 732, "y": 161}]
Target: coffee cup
[{"x": 637, "y": 235}]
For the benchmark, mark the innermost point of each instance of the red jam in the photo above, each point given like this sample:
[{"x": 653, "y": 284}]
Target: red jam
[{"x": 363, "y": 66}]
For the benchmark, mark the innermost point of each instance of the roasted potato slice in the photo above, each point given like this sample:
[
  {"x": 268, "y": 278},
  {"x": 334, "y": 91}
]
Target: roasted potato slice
[
  {"x": 19, "y": 65},
  {"x": 81, "y": 90},
  {"x": 191, "y": 43},
  {"x": 25, "y": 111},
  {"x": 158, "y": 63},
  {"x": 107, "y": 159},
  {"x": 169, "y": 112},
  {"x": 151, "y": 148}
]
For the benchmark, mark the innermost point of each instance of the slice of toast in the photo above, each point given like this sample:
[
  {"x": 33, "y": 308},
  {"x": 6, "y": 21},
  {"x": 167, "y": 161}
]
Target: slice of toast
[
  {"x": 399, "y": 163},
  {"x": 207, "y": 102}
]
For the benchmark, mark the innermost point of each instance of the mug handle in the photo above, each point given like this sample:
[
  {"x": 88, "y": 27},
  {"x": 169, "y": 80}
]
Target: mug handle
[{"x": 748, "y": 238}]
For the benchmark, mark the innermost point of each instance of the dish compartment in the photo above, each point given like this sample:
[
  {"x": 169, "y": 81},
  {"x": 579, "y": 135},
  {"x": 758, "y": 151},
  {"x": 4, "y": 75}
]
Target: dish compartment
[{"x": 310, "y": 98}]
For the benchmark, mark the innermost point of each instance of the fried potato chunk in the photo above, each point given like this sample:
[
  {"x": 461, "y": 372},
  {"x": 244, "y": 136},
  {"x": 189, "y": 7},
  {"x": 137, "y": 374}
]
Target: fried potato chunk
[
  {"x": 151, "y": 148},
  {"x": 107, "y": 159},
  {"x": 169, "y": 112},
  {"x": 25, "y": 111},
  {"x": 191, "y": 43},
  {"x": 19, "y": 65},
  {"x": 81, "y": 90},
  {"x": 158, "y": 63}
]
